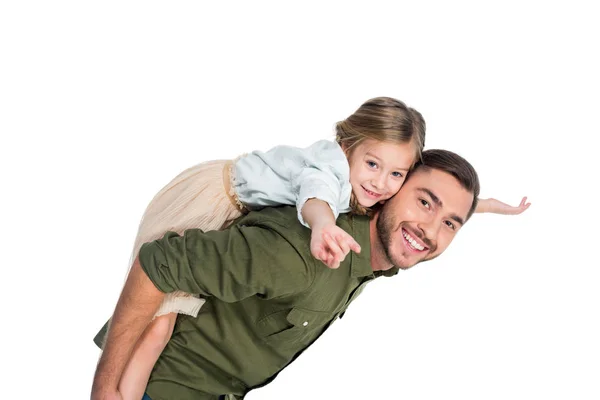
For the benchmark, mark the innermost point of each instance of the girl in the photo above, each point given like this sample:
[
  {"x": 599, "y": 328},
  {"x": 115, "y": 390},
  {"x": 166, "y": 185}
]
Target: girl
[{"x": 374, "y": 150}]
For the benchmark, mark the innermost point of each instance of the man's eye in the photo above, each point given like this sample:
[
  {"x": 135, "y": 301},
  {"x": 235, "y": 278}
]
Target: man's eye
[
  {"x": 371, "y": 164},
  {"x": 425, "y": 203},
  {"x": 451, "y": 225}
]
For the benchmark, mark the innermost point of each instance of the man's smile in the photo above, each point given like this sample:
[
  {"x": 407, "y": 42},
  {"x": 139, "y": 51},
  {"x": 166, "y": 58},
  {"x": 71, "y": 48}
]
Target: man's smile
[{"x": 413, "y": 243}]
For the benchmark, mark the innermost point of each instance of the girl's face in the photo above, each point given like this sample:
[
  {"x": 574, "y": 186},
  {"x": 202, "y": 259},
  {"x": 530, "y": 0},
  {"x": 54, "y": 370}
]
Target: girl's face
[{"x": 378, "y": 169}]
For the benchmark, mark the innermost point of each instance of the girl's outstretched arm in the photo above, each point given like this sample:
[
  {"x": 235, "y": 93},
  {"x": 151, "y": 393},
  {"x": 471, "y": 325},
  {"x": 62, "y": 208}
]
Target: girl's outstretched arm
[
  {"x": 328, "y": 243},
  {"x": 494, "y": 206}
]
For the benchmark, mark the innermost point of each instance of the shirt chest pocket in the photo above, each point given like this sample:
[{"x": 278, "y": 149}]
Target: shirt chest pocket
[{"x": 292, "y": 327}]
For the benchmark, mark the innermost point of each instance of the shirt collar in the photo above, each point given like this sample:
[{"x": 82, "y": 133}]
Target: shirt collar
[
  {"x": 360, "y": 265},
  {"x": 358, "y": 227}
]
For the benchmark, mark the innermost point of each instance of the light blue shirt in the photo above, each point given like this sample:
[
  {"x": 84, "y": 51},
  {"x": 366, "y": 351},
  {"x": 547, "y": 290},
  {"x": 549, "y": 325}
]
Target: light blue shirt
[{"x": 288, "y": 175}]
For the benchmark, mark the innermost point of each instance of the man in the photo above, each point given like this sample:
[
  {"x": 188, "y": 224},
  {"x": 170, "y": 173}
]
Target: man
[{"x": 268, "y": 299}]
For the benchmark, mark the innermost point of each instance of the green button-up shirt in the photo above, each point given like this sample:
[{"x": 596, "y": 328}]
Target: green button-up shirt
[{"x": 268, "y": 299}]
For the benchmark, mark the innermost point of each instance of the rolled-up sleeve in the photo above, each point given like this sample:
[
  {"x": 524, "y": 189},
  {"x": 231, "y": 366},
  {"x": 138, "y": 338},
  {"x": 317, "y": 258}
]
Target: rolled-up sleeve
[
  {"x": 231, "y": 265},
  {"x": 291, "y": 175},
  {"x": 324, "y": 175},
  {"x": 315, "y": 183}
]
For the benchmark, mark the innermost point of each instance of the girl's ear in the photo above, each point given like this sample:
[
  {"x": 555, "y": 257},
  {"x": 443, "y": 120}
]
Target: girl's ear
[{"x": 344, "y": 147}]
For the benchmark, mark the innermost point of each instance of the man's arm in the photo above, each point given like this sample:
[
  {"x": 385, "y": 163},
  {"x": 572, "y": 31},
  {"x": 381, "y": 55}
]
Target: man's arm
[
  {"x": 137, "y": 304},
  {"x": 233, "y": 264},
  {"x": 230, "y": 265}
]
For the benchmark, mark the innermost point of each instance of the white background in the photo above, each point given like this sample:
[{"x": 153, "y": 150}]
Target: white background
[{"x": 103, "y": 103}]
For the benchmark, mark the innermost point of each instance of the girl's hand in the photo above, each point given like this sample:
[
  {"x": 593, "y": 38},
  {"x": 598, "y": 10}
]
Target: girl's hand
[
  {"x": 330, "y": 244},
  {"x": 498, "y": 207}
]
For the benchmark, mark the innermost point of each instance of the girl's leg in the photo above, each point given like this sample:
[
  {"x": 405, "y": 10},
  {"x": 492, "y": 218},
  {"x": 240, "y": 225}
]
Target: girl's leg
[
  {"x": 152, "y": 342},
  {"x": 196, "y": 198}
]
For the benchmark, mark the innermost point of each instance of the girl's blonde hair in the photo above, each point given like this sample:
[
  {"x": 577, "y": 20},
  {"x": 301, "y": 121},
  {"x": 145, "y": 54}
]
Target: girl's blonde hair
[{"x": 383, "y": 119}]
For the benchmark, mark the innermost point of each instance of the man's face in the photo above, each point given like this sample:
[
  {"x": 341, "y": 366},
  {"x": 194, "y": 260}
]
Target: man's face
[{"x": 420, "y": 221}]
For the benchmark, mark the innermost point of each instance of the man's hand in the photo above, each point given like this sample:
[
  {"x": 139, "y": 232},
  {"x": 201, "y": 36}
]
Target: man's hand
[
  {"x": 106, "y": 395},
  {"x": 330, "y": 244},
  {"x": 137, "y": 304}
]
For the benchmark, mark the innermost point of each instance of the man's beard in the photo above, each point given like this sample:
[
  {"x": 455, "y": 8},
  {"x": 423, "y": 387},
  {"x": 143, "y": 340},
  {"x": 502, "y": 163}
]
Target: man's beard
[{"x": 386, "y": 225}]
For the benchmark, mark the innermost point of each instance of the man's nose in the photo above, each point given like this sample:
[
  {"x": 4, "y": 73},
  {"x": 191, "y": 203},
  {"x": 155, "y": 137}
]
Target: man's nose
[{"x": 431, "y": 228}]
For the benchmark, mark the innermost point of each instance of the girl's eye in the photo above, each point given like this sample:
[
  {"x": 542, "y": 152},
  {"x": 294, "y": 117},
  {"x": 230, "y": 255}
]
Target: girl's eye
[
  {"x": 371, "y": 164},
  {"x": 451, "y": 225},
  {"x": 397, "y": 174},
  {"x": 425, "y": 203}
]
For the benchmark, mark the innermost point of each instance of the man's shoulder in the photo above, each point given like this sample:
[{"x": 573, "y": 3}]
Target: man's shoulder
[
  {"x": 285, "y": 217},
  {"x": 286, "y": 237},
  {"x": 284, "y": 220}
]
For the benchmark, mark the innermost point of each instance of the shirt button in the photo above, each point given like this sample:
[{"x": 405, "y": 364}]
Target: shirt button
[{"x": 305, "y": 323}]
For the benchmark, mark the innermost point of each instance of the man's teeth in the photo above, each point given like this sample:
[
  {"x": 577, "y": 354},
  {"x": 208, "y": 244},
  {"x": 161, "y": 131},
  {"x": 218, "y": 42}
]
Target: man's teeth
[{"x": 413, "y": 243}]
